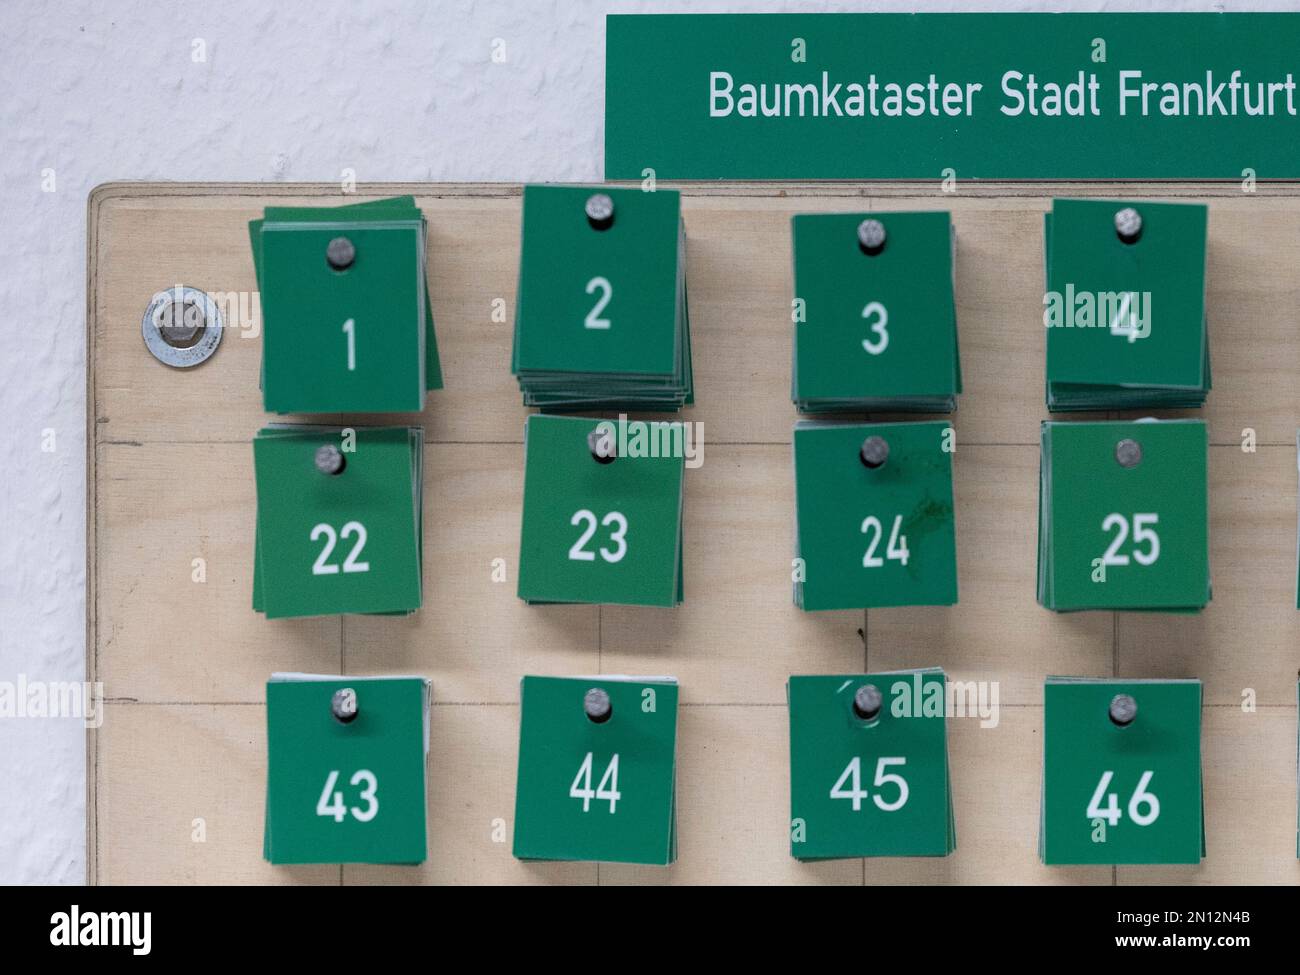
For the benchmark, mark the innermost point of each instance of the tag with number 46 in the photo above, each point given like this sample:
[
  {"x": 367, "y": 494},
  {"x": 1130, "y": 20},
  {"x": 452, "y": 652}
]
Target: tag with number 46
[
  {"x": 346, "y": 769},
  {"x": 869, "y": 766},
  {"x": 597, "y": 770},
  {"x": 1121, "y": 772}
]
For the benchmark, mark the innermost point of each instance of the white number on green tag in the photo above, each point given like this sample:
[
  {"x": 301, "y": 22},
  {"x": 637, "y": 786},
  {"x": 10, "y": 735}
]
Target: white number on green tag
[
  {"x": 606, "y": 790},
  {"x": 331, "y": 803},
  {"x": 852, "y": 774}
]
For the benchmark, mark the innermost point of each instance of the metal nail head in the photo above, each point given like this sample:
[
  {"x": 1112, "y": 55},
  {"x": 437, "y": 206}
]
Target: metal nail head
[
  {"x": 1123, "y": 709},
  {"x": 596, "y": 705},
  {"x": 874, "y": 452},
  {"x": 340, "y": 253},
  {"x": 343, "y": 705},
  {"x": 602, "y": 445},
  {"x": 1128, "y": 453},
  {"x": 1128, "y": 224},
  {"x": 867, "y": 701},
  {"x": 871, "y": 237},
  {"x": 600, "y": 211},
  {"x": 330, "y": 460}
]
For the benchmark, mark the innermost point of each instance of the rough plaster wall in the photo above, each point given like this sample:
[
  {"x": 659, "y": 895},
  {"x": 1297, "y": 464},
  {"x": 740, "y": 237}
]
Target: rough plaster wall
[{"x": 289, "y": 91}]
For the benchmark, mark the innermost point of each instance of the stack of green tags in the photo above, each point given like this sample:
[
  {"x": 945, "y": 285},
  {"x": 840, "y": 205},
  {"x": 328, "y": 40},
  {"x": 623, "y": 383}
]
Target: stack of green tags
[
  {"x": 875, "y": 312},
  {"x": 1123, "y": 518},
  {"x": 874, "y": 523},
  {"x": 597, "y": 770},
  {"x": 602, "y": 519},
  {"x": 347, "y": 321},
  {"x": 869, "y": 766},
  {"x": 1125, "y": 305},
  {"x": 1122, "y": 776},
  {"x": 339, "y": 518},
  {"x": 346, "y": 771},
  {"x": 601, "y": 318}
]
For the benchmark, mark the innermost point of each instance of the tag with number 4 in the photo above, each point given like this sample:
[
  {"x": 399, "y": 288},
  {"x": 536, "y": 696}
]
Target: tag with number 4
[
  {"x": 1121, "y": 772},
  {"x": 597, "y": 770},
  {"x": 339, "y": 518},
  {"x": 869, "y": 766},
  {"x": 602, "y": 520},
  {"x": 346, "y": 769}
]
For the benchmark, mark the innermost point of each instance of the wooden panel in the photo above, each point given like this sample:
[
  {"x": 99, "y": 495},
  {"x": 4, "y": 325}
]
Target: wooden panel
[{"x": 184, "y": 662}]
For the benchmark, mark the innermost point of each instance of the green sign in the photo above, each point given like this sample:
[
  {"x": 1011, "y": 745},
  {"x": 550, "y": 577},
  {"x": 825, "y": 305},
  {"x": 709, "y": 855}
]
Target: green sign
[
  {"x": 1121, "y": 772},
  {"x": 348, "y": 326},
  {"x": 601, "y": 315},
  {"x": 869, "y": 782},
  {"x": 1125, "y": 312},
  {"x": 597, "y": 782},
  {"x": 339, "y": 518},
  {"x": 875, "y": 323},
  {"x": 1123, "y": 517},
  {"x": 346, "y": 769},
  {"x": 596, "y": 529},
  {"x": 874, "y": 515},
  {"x": 957, "y": 96}
]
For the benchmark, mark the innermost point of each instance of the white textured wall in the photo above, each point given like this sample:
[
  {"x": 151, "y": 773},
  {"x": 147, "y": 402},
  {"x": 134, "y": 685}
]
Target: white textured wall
[{"x": 290, "y": 90}]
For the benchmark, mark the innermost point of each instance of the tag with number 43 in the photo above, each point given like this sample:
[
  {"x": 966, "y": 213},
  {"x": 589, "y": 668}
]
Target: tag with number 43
[
  {"x": 346, "y": 769},
  {"x": 597, "y": 770},
  {"x": 869, "y": 766},
  {"x": 1121, "y": 772}
]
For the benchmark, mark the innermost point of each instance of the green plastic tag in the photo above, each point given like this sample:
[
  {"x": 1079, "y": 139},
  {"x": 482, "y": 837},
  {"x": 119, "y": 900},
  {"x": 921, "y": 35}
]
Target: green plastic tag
[
  {"x": 346, "y": 792},
  {"x": 597, "y": 789},
  {"x": 1123, "y": 518},
  {"x": 598, "y": 532},
  {"x": 1122, "y": 793},
  {"x": 867, "y": 783},
  {"x": 875, "y": 329},
  {"x": 349, "y": 542},
  {"x": 881, "y": 536}
]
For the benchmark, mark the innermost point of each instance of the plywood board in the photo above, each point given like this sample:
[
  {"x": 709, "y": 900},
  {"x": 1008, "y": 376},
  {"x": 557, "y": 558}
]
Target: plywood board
[{"x": 184, "y": 664}]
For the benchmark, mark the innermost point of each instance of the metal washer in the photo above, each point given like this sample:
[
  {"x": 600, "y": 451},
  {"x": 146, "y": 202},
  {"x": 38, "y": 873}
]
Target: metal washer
[{"x": 169, "y": 354}]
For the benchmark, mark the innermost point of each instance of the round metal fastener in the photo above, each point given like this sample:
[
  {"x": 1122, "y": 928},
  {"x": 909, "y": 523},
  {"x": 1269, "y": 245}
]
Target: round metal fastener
[
  {"x": 340, "y": 253},
  {"x": 874, "y": 452},
  {"x": 602, "y": 445},
  {"x": 871, "y": 237},
  {"x": 343, "y": 705},
  {"x": 867, "y": 702},
  {"x": 596, "y": 705},
  {"x": 1128, "y": 453},
  {"x": 182, "y": 327},
  {"x": 330, "y": 460},
  {"x": 600, "y": 211},
  {"x": 1123, "y": 709},
  {"x": 1128, "y": 224}
]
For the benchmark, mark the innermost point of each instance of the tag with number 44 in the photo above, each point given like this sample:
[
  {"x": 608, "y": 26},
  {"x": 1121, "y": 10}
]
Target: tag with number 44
[{"x": 597, "y": 770}]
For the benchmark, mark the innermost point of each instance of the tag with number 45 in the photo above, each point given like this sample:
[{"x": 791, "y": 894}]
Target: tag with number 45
[
  {"x": 869, "y": 766},
  {"x": 346, "y": 769},
  {"x": 597, "y": 770},
  {"x": 1121, "y": 772}
]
